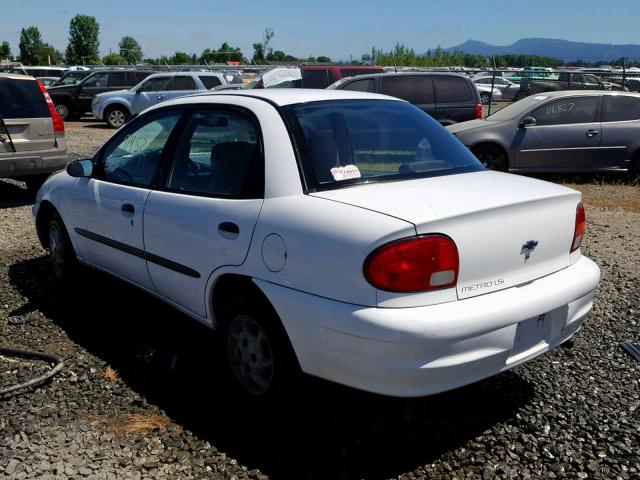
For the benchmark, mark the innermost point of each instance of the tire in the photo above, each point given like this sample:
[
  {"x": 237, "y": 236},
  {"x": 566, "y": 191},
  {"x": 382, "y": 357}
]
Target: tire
[
  {"x": 34, "y": 182},
  {"x": 61, "y": 254},
  {"x": 485, "y": 98},
  {"x": 64, "y": 111},
  {"x": 633, "y": 173},
  {"x": 492, "y": 157},
  {"x": 116, "y": 116},
  {"x": 260, "y": 360}
]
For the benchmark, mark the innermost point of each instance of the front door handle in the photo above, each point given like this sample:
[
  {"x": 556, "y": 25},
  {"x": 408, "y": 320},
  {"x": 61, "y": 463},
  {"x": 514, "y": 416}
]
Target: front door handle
[
  {"x": 128, "y": 208},
  {"x": 160, "y": 97},
  {"x": 592, "y": 133},
  {"x": 229, "y": 230}
]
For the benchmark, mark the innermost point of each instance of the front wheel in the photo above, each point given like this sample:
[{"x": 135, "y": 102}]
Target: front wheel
[
  {"x": 116, "y": 116},
  {"x": 492, "y": 157},
  {"x": 259, "y": 356},
  {"x": 61, "y": 255}
]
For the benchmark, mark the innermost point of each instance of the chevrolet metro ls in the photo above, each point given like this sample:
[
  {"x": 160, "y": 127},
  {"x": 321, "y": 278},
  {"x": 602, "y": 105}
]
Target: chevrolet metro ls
[{"x": 344, "y": 234}]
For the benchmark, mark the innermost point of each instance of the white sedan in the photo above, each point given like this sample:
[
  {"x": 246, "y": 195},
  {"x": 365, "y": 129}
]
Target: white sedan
[{"x": 342, "y": 234}]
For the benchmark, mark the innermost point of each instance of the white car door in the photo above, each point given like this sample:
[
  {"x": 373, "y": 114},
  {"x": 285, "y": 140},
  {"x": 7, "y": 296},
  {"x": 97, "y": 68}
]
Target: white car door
[
  {"x": 204, "y": 212},
  {"x": 107, "y": 209}
]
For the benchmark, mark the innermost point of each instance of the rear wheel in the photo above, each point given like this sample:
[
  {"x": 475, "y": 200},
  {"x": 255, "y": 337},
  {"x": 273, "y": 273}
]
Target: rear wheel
[
  {"x": 485, "y": 98},
  {"x": 492, "y": 157},
  {"x": 116, "y": 116},
  {"x": 259, "y": 356},
  {"x": 34, "y": 182},
  {"x": 64, "y": 111}
]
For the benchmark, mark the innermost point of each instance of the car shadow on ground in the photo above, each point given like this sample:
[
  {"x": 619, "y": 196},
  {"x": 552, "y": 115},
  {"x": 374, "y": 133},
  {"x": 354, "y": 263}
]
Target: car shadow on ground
[
  {"x": 12, "y": 194},
  {"x": 321, "y": 431}
]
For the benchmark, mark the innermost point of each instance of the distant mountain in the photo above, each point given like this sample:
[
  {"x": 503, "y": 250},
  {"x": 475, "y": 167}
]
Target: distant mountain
[{"x": 560, "y": 49}]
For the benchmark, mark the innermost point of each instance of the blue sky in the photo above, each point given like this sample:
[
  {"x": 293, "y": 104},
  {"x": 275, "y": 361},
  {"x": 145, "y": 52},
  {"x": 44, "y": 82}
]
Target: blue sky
[{"x": 334, "y": 28}]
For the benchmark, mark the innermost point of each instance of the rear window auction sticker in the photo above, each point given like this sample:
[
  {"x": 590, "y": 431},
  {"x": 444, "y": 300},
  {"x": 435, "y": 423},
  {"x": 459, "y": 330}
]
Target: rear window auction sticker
[{"x": 345, "y": 173}]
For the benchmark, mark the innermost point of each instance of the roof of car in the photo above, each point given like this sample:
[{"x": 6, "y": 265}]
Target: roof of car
[
  {"x": 16, "y": 76},
  {"x": 291, "y": 96},
  {"x": 173, "y": 74}
]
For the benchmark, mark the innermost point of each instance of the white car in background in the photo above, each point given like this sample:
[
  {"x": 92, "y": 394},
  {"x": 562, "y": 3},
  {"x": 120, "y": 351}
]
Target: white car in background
[
  {"x": 508, "y": 89},
  {"x": 341, "y": 233}
]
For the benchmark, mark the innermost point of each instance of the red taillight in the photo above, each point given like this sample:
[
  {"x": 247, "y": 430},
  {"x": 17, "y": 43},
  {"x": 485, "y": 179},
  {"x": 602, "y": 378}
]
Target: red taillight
[
  {"x": 581, "y": 225},
  {"x": 58, "y": 123},
  {"x": 479, "y": 110},
  {"x": 413, "y": 264}
]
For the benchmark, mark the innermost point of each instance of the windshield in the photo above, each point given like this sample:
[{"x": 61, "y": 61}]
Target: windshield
[
  {"x": 518, "y": 108},
  {"x": 347, "y": 142}
]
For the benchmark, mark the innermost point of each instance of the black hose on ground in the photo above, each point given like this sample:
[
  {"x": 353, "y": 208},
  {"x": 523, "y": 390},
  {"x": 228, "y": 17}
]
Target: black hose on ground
[{"x": 15, "y": 352}]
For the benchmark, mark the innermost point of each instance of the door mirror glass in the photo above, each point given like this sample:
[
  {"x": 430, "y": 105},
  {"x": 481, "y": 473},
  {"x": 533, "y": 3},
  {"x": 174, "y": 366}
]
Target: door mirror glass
[
  {"x": 80, "y": 168},
  {"x": 527, "y": 122}
]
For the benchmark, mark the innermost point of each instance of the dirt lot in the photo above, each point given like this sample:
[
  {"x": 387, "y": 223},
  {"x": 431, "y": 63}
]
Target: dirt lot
[{"x": 141, "y": 395}]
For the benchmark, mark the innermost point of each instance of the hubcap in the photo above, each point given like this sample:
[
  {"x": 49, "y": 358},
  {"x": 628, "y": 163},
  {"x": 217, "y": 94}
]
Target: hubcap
[
  {"x": 116, "y": 118},
  {"x": 56, "y": 250},
  {"x": 63, "y": 111},
  {"x": 250, "y": 355}
]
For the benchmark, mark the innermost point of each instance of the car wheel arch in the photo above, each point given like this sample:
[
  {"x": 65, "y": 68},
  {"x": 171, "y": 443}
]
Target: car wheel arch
[
  {"x": 492, "y": 144},
  {"x": 46, "y": 212}
]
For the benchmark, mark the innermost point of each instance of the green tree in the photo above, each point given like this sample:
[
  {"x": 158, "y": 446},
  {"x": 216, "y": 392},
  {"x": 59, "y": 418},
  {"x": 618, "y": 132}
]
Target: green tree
[
  {"x": 225, "y": 53},
  {"x": 258, "y": 53},
  {"x": 323, "y": 59},
  {"x": 114, "y": 59},
  {"x": 30, "y": 43},
  {"x": 180, "y": 58},
  {"x": 130, "y": 49},
  {"x": 48, "y": 53},
  {"x": 5, "y": 51},
  {"x": 280, "y": 56},
  {"x": 83, "y": 40}
]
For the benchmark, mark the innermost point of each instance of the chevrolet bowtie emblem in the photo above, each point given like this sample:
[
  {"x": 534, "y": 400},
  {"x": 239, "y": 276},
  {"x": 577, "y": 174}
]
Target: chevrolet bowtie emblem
[{"x": 528, "y": 248}]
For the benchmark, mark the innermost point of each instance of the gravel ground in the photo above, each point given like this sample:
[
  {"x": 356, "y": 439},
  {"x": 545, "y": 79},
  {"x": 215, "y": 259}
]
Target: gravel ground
[{"x": 141, "y": 395}]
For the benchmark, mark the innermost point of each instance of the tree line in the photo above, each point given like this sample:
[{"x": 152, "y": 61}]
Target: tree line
[{"x": 84, "y": 45}]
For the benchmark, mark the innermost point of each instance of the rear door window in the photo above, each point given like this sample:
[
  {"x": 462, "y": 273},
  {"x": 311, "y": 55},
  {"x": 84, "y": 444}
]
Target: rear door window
[
  {"x": 22, "y": 99},
  {"x": 450, "y": 89},
  {"x": 566, "y": 111},
  {"x": 209, "y": 81},
  {"x": 182, "y": 83},
  {"x": 416, "y": 89},
  {"x": 354, "y": 72},
  {"x": 620, "y": 108}
]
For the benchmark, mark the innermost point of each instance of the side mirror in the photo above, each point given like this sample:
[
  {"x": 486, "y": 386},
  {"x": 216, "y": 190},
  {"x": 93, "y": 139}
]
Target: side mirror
[
  {"x": 80, "y": 168},
  {"x": 527, "y": 122}
]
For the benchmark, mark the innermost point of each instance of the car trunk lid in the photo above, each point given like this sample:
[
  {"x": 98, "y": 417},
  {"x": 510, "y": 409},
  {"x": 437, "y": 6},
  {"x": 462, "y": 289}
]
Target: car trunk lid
[{"x": 509, "y": 230}]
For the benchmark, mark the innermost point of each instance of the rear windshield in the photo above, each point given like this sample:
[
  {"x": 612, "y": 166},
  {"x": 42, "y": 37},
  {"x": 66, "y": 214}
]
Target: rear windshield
[
  {"x": 351, "y": 142},
  {"x": 22, "y": 99}
]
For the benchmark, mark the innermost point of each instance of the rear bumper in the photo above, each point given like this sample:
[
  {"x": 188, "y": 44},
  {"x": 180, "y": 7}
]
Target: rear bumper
[
  {"x": 425, "y": 350},
  {"x": 32, "y": 163}
]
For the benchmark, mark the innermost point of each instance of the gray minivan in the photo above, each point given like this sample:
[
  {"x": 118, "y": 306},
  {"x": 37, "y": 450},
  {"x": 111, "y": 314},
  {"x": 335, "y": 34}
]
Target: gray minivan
[
  {"x": 448, "y": 97},
  {"x": 32, "y": 140}
]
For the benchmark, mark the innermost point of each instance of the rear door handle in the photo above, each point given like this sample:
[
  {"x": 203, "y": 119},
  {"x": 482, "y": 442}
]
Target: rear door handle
[
  {"x": 592, "y": 133},
  {"x": 229, "y": 230},
  {"x": 160, "y": 97},
  {"x": 127, "y": 208}
]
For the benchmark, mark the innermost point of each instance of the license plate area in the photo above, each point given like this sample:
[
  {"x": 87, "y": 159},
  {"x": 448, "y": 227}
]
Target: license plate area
[{"x": 530, "y": 338}]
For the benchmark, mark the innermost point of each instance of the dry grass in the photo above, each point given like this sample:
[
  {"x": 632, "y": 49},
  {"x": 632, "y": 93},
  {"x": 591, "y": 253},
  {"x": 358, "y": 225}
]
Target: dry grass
[
  {"x": 135, "y": 423},
  {"x": 110, "y": 374}
]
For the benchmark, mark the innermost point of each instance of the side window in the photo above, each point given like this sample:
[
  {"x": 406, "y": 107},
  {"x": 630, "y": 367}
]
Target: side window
[
  {"x": 182, "y": 83},
  {"x": 155, "y": 84},
  {"x": 209, "y": 81},
  {"x": 367, "y": 85},
  {"x": 317, "y": 78},
  {"x": 414, "y": 89},
  {"x": 133, "y": 157},
  {"x": 99, "y": 80},
  {"x": 618, "y": 108},
  {"x": 567, "y": 111},
  {"x": 219, "y": 155},
  {"x": 117, "y": 79},
  {"x": 452, "y": 89}
]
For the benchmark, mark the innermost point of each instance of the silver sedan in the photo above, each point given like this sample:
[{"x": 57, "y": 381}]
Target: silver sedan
[{"x": 570, "y": 131}]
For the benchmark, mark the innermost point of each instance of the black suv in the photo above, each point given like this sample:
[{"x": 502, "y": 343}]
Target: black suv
[
  {"x": 448, "y": 97},
  {"x": 73, "y": 101}
]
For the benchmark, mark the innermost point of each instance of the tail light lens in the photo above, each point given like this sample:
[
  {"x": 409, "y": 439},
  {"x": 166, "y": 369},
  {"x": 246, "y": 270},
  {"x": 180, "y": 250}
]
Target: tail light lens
[
  {"x": 415, "y": 264},
  {"x": 581, "y": 225},
  {"x": 58, "y": 123},
  {"x": 479, "y": 110}
]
